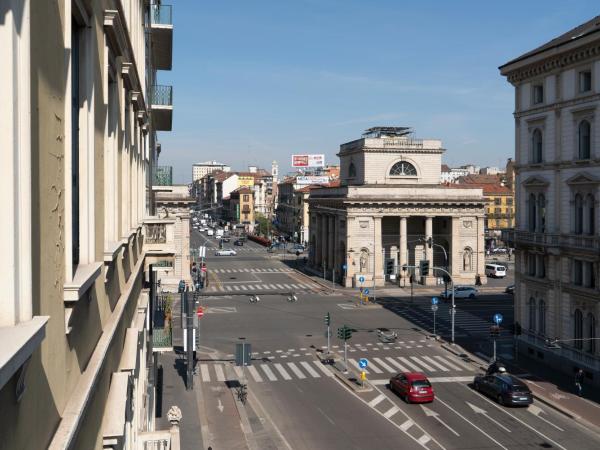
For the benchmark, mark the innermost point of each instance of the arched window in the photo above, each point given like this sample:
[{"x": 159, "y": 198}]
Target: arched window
[
  {"x": 403, "y": 169},
  {"x": 532, "y": 212},
  {"x": 467, "y": 260},
  {"x": 532, "y": 314},
  {"x": 591, "y": 220},
  {"x": 578, "y": 214},
  {"x": 591, "y": 333},
  {"x": 585, "y": 141},
  {"x": 541, "y": 210},
  {"x": 578, "y": 328},
  {"x": 536, "y": 146},
  {"x": 542, "y": 317},
  {"x": 351, "y": 170}
]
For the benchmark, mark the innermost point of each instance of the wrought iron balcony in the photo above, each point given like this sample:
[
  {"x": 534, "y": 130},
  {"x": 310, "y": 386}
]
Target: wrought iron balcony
[
  {"x": 161, "y": 24},
  {"x": 161, "y": 14},
  {"x": 580, "y": 241},
  {"x": 161, "y": 102},
  {"x": 162, "y": 95}
]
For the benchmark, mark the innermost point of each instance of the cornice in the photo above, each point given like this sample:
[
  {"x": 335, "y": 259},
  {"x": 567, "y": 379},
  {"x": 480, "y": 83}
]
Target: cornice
[{"x": 558, "y": 106}]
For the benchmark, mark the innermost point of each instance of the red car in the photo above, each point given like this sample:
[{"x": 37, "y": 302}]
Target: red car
[{"x": 413, "y": 387}]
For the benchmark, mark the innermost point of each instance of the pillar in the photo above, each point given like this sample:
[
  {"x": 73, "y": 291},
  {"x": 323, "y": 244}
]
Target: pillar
[
  {"x": 481, "y": 250},
  {"x": 403, "y": 247},
  {"x": 455, "y": 250},
  {"x": 318, "y": 250},
  {"x": 430, "y": 279},
  {"x": 378, "y": 254},
  {"x": 324, "y": 246},
  {"x": 330, "y": 241}
]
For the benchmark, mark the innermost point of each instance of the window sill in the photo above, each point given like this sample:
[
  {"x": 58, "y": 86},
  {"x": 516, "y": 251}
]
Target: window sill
[
  {"x": 111, "y": 253},
  {"x": 128, "y": 235},
  {"x": 18, "y": 344},
  {"x": 85, "y": 276}
]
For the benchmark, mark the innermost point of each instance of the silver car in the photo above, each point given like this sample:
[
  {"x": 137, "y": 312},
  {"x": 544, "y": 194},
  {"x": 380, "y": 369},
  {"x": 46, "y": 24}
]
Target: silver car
[
  {"x": 226, "y": 252},
  {"x": 460, "y": 292}
]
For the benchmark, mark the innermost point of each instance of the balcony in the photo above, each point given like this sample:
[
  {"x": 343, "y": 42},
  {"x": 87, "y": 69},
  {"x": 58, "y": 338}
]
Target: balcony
[
  {"x": 565, "y": 351},
  {"x": 161, "y": 24},
  {"x": 159, "y": 236},
  {"x": 161, "y": 103},
  {"x": 531, "y": 237},
  {"x": 564, "y": 241},
  {"x": 580, "y": 242}
]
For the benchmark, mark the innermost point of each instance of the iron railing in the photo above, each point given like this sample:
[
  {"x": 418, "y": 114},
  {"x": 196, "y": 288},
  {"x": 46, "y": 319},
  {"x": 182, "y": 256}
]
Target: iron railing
[
  {"x": 580, "y": 241},
  {"x": 161, "y": 14},
  {"x": 162, "y": 95}
]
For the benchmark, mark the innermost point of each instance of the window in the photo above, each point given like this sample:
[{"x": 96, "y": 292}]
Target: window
[
  {"x": 591, "y": 332},
  {"x": 578, "y": 214},
  {"x": 540, "y": 266},
  {"x": 497, "y": 201},
  {"x": 584, "y": 139},
  {"x": 531, "y": 264},
  {"x": 402, "y": 169},
  {"x": 578, "y": 328},
  {"x": 588, "y": 275},
  {"x": 351, "y": 170},
  {"x": 246, "y": 197},
  {"x": 532, "y": 207},
  {"x": 76, "y": 36},
  {"x": 538, "y": 94},
  {"x": 536, "y": 146},
  {"x": 542, "y": 317},
  {"x": 585, "y": 81},
  {"x": 590, "y": 210},
  {"x": 509, "y": 201},
  {"x": 541, "y": 210},
  {"x": 532, "y": 314},
  {"x": 577, "y": 272}
]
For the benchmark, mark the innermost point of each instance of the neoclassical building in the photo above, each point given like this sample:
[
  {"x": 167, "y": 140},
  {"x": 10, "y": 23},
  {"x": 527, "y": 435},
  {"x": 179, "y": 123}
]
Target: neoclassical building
[{"x": 389, "y": 203}]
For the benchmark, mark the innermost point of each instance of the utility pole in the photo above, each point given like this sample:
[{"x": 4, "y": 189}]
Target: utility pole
[{"x": 189, "y": 322}]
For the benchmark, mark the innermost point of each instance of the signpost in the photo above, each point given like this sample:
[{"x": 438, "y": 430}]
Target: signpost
[
  {"x": 495, "y": 330},
  {"x": 434, "y": 308},
  {"x": 363, "y": 363}
]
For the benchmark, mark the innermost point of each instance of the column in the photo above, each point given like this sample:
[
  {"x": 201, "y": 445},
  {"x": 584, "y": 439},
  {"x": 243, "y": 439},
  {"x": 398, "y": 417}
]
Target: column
[
  {"x": 377, "y": 250},
  {"x": 318, "y": 244},
  {"x": 324, "y": 246},
  {"x": 330, "y": 242},
  {"x": 481, "y": 250},
  {"x": 455, "y": 250},
  {"x": 403, "y": 247},
  {"x": 430, "y": 279}
]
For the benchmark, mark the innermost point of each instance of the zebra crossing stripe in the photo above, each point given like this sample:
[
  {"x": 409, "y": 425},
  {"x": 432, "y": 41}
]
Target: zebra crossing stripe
[
  {"x": 390, "y": 412},
  {"x": 296, "y": 371},
  {"x": 235, "y": 287},
  {"x": 460, "y": 363},
  {"x": 219, "y": 372},
  {"x": 228, "y": 288},
  {"x": 255, "y": 374},
  {"x": 272, "y": 286},
  {"x": 436, "y": 364},
  {"x": 279, "y": 286},
  {"x": 448, "y": 363},
  {"x": 246, "y": 270},
  {"x": 322, "y": 368},
  {"x": 312, "y": 372},
  {"x": 374, "y": 368},
  {"x": 376, "y": 401},
  {"x": 410, "y": 364},
  {"x": 267, "y": 370},
  {"x": 397, "y": 364},
  {"x": 204, "y": 374},
  {"x": 383, "y": 364},
  {"x": 282, "y": 371},
  {"x": 424, "y": 364},
  {"x": 243, "y": 287}
]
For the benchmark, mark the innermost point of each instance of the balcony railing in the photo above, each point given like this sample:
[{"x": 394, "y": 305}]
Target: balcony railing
[
  {"x": 580, "y": 241},
  {"x": 161, "y": 15},
  {"x": 537, "y": 238},
  {"x": 162, "y": 95},
  {"x": 567, "y": 352}
]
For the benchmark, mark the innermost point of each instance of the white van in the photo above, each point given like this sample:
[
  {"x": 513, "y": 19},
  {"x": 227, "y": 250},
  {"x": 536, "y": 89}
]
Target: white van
[
  {"x": 210, "y": 232},
  {"x": 495, "y": 270},
  {"x": 219, "y": 234}
]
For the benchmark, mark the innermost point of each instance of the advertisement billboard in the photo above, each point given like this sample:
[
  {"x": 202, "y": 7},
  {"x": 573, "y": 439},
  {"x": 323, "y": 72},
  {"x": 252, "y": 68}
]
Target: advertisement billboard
[
  {"x": 312, "y": 180},
  {"x": 308, "y": 160},
  {"x": 245, "y": 181}
]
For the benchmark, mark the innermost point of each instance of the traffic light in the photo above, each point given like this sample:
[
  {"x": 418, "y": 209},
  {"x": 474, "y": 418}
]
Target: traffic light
[
  {"x": 344, "y": 333},
  {"x": 424, "y": 267},
  {"x": 327, "y": 319}
]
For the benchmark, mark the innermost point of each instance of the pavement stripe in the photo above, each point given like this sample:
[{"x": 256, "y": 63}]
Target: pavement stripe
[
  {"x": 282, "y": 371},
  {"x": 397, "y": 364},
  {"x": 376, "y": 400},
  {"x": 287, "y": 286},
  {"x": 322, "y": 368},
  {"x": 228, "y": 270},
  {"x": 235, "y": 287},
  {"x": 279, "y": 286},
  {"x": 374, "y": 368},
  {"x": 390, "y": 412},
  {"x": 424, "y": 439},
  {"x": 448, "y": 363},
  {"x": 410, "y": 364},
  {"x": 204, "y": 374},
  {"x": 246, "y": 270},
  {"x": 239, "y": 372},
  {"x": 384, "y": 365},
  {"x": 272, "y": 286},
  {"x": 462, "y": 363},
  {"x": 424, "y": 364},
  {"x": 255, "y": 374},
  {"x": 312, "y": 372},
  {"x": 296, "y": 371},
  {"x": 228, "y": 288},
  {"x": 436, "y": 364},
  {"x": 267, "y": 370},
  {"x": 219, "y": 372},
  {"x": 406, "y": 425}
]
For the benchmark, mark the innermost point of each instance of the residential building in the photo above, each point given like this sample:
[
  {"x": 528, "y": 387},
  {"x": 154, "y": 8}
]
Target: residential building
[
  {"x": 390, "y": 202},
  {"x": 199, "y": 170},
  {"x": 78, "y": 124},
  {"x": 241, "y": 208},
  {"x": 557, "y": 163}
]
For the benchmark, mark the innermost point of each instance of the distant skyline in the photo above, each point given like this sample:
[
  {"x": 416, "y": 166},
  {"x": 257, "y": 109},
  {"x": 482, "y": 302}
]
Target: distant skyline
[{"x": 258, "y": 81}]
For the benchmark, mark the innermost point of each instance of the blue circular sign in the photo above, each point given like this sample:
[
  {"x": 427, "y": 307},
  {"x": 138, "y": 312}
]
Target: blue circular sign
[
  {"x": 366, "y": 291},
  {"x": 361, "y": 279},
  {"x": 344, "y": 267},
  {"x": 498, "y": 318},
  {"x": 435, "y": 301},
  {"x": 363, "y": 363}
]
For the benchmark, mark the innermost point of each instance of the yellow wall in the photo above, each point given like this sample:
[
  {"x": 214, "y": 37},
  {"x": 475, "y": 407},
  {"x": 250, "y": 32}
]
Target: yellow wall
[{"x": 502, "y": 205}]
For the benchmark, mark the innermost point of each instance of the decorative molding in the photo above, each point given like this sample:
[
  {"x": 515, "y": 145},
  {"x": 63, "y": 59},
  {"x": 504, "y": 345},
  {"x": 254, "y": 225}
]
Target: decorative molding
[
  {"x": 128, "y": 75},
  {"x": 115, "y": 32},
  {"x": 535, "y": 182},
  {"x": 583, "y": 178}
]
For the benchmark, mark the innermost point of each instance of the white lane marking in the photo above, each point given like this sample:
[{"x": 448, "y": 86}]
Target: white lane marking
[
  {"x": 431, "y": 413},
  {"x": 296, "y": 371},
  {"x": 424, "y": 364},
  {"x": 397, "y": 364},
  {"x": 237, "y": 288},
  {"x": 239, "y": 372},
  {"x": 302, "y": 349},
  {"x": 380, "y": 382},
  {"x": 374, "y": 368},
  {"x": 287, "y": 286},
  {"x": 436, "y": 364},
  {"x": 406, "y": 425},
  {"x": 377, "y": 400},
  {"x": 282, "y": 371},
  {"x": 536, "y": 411},
  {"x": 478, "y": 410},
  {"x": 272, "y": 286},
  {"x": 267, "y": 352},
  {"x": 312, "y": 372},
  {"x": 279, "y": 286},
  {"x": 278, "y": 351},
  {"x": 322, "y": 368},
  {"x": 219, "y": 372},
  {"x": 228, "y": 288},
  {"x": 267, "y": 370},
  {"x": 246, "y": 270},
  {"x": 424, "y": 439},
  {"x": 410, "y": 364},
  {"x": 448, "y": 363},
  {"x": 205, "y": 375},
  {"x": 255, "y": 374},
  {"x": 461, "y": 363},
  {"x": 390, "y": 412},
  {"x": 244, "y": 287},
  {"x": 384, "y": 365},
  {"x": 228, "y": 270}
]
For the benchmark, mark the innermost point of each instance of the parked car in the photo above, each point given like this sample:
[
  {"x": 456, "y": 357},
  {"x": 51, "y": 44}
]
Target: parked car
[
  {"x": 226, "y": 252},
  {"x": 297, "y": 249},
  {"x": 499, "y": 250},
  {"x": 505, "y": 389},
  {"x": 238, "y": 242},
  {"x": 510, "y": 289},
  {"x": 460, "y": 292},
  {"x": 495, "y": 270},
  {"x": 413, "y": 387},
  {"x": 225, "y": 239}
]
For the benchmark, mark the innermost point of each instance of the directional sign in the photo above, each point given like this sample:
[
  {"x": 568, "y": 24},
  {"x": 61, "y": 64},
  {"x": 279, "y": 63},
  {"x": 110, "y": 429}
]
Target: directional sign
[
  {"x": 363, "y": 363},
  {"x": 434, "y": 301},
  {"x": 498, "y": 318},
  {"x": 366, "y": 291},
  {"x": 361, "y": 279},
  {"x": 434, "y": 308},
  {"x": 344, "y": 267}
]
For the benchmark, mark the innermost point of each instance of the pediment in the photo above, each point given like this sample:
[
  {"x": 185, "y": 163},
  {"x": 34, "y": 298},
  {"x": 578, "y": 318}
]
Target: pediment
[
  {"x": 583, "y": 178},
  {"x": 535, "y": 181}
]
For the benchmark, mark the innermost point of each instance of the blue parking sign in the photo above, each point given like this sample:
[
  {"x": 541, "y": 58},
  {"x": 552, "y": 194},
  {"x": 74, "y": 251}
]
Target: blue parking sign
[
  {"x": 434, "y": 300},
  {"x": 363, "y": 363},
  {"x": 366, "y": 291},
  {"x": 498, "y": 318}
]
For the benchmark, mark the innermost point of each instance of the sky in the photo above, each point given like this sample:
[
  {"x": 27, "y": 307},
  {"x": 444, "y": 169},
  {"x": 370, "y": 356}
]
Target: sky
[{"x": 259, "y": 80}]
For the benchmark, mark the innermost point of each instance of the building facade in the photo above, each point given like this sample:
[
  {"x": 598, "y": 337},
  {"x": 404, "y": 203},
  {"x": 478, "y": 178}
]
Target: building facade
[
  {"x": 199, "y": 170},
  {"x": 241, "y": 207},
  {"x": 389, "y": 204},
  {"x": 78, "y": 121},
  {"x": 557, "y": 164}
]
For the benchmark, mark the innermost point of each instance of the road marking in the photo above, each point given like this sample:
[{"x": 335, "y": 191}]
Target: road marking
[
  {"x": 237, "y": 288},
  {"x": 384, "y": 365},
  {"x": 376, "y": 400},
  {"x": 205, "y": 375},
  {"x": 245, "y": 288},
  {"x": 272, "y": 286},
  {"x": 246, "y": 270},
  {"x": 478, "y": 410},
  {"x": 267, "y": 352},
  {"x": 255, "y": 374},
  {"x": 436, "y": 364},
  {"x": 448, "y": 363},
  {"x": 390, "y": 412},
  {"x": 409, "y": 364},
  {"x": 279, "y": 286},
  {"x": 303, "y": 349},
  {"x": 322, "y": 368},
  {"x": 267, "y": 370},
  {"x": 228, "y": 288},
  {"x": 461, "y": 363},
  {"x": 424, "y": 439},
  {"x": 312, "y": 372},
  {"x": 219, "y": 372},
  {"x": 296, "y": 371},
  {"x": 384, "y": 381},
  {"x": 282, "y": 371},
  {"x": 397, "y": 364},
  {"x": 239, "y": 372},
  {"x": 406, "y": 425},
  {"x": 536, "y": 411},
  {"x": 430, "y": 413},
  {"x": 424, "y": 364},
  {"x": 374, "y": 368}
]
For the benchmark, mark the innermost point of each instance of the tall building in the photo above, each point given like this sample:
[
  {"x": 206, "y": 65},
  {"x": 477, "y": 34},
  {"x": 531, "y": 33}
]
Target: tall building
[
  {"x": 557, "y": 236},
  {"x": 78, "y": 121},
  {"x": 199, "y": 170}
]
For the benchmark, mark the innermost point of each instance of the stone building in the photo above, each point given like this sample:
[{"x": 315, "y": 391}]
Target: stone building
[
  {"x": 557, "y": 164},
  {"x": 389, "y": 203}
]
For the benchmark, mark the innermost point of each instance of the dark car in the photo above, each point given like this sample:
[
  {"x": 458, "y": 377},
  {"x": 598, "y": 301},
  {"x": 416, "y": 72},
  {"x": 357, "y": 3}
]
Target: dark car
[
  {"x": 505, "y": 389},
  {"x": 510, "y": 289},
  {"x": 413, "y": 387},
  {"x": 225, "y": 239},
  {"x": 238, "y": 242}
]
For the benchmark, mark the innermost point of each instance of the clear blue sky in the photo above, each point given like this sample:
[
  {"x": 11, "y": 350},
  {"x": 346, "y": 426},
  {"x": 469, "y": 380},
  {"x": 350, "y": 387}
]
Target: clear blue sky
[{"x": 259, "y": 80}]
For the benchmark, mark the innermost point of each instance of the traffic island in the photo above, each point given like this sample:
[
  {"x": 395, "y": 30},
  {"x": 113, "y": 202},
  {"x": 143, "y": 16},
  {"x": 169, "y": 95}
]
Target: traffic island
[{"x": 350, "y": 378}]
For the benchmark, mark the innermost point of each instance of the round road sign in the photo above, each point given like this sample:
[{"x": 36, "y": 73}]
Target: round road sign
[
  {"x": 498, "y": 318},
  {"x": 366, "y": 291},
  {"x": 361, "y": 279},
  {"x": 434, "y": 308},
  {"x": 200, "y": 312},
  {"x": 434, "y": 301},
  {"x": 363, "y": 363}
]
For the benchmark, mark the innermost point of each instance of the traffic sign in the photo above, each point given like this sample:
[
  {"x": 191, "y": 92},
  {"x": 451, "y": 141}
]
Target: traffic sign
[
  {"x": 361, "y": 279},
  {"x": 434, "y": 308},
  {"x": 366, "y": 291},
  {"x": 200, "y": 312},
  {"x": 498, "y": 318},
  {"x": 435, "y": 301},
  {"x": 344, "y": 267},
  {"x": 363, "y": 363}
]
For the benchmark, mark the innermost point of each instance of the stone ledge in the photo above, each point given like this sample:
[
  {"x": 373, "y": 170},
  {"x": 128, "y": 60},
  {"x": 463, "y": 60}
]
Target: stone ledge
[{"x": 85, "y": 276}]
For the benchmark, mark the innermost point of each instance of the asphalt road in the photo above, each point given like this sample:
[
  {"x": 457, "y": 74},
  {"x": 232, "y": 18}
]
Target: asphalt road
[{"x": 307, "y": 408}]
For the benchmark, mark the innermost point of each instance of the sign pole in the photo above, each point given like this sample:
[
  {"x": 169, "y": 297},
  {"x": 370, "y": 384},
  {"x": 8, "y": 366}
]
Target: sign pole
[
  {"x": 328, "y": 338},
  {"x": 434, "y": 333},
  {"x": 345, "y": 354}
]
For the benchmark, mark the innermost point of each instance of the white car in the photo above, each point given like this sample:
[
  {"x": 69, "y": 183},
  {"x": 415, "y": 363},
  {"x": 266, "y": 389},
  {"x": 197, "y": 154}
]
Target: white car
[
  {"x": 210, "y": 232},
  {"x": 225, "y": 252},
  {"x": 461, "y": 292}
]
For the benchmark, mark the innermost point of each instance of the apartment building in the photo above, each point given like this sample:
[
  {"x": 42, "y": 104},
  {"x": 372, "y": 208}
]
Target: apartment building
[
  {"x": 557, "y": 163},
  {"x": 200, "y": 170},
  {"x": 81, "y": 107}
]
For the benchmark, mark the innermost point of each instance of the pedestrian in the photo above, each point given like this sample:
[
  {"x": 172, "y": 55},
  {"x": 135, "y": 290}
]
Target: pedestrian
[{"x": 579, "y": 382}]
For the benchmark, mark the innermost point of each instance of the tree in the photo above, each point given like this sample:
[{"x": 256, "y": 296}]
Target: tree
[{"x": 263, "y": 224}]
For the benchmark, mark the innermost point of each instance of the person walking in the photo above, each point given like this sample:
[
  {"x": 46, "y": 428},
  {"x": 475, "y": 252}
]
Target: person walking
[{"x": 579, "y": 382}]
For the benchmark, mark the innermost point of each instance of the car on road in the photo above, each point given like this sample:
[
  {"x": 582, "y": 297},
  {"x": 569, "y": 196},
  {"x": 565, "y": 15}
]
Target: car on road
[
  {"x": 495, "y": 270},
  {"x": 226, "y": 252},
  {"x": 238, "y": 242},
  {"x": 386, "y": 335},
  {"x": 499, "y": 250},
  {"x": 412, "y": 387},
  {"x": 510, "y": 289},
  {"x": 504, "y": 388},
  {"x": 297, "y": 249},
  {"x": 210, "y": 232},
  {"x": 225, "y": 239},
  {"x": 460, "y": 292}
]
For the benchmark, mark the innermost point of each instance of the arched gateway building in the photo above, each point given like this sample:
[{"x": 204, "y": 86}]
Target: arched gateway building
[{"x": 389, "y": 203}]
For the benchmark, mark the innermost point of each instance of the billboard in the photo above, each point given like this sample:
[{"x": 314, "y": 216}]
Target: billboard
[
  {"x": 312, "y": 180},
  {"x": 308, "y": 160},
  {"x": 245, "y": 181}
]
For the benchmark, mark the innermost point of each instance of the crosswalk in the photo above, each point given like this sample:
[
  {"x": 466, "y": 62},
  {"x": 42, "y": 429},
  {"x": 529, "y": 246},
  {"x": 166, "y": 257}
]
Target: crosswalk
[
  {"x": 379, "y": 367},
  {"x": 253, "y": 270},
  {"x": 260, "y": 286},
  {"x": 240, "y": 249}
]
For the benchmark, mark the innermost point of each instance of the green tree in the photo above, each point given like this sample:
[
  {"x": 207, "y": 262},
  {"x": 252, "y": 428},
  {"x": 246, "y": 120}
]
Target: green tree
[{"x": 263, "y": 224}]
